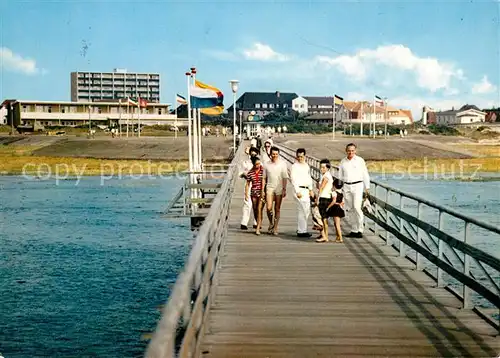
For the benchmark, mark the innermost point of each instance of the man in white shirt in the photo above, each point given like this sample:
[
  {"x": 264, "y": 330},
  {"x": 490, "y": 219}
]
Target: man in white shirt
[
  {"x": 300, "y": 176},
  {"x": 354, "y": 174},
  {"x": 245, "y": 166},
  {"x": 275, "y": 180}
]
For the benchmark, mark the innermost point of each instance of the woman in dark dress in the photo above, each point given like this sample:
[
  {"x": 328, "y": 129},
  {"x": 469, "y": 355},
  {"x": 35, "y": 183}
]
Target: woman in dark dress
[{"x": 336, "y": 207}]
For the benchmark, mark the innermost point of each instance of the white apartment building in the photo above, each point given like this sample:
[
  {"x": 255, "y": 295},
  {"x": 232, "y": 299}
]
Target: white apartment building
[{"x": 106, "y": 86}]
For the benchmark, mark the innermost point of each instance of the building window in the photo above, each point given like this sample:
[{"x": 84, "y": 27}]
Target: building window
[
  {"x": 49, "y": 109},
  {"x": 257, "y": 105},
  {"x": 271, "y": 105},
  {"x": 159, "y": 111},
  {"x": 301, "y": 106},
  {"x": 264, "y": 105},
  {"x": 285, "y": 105}
]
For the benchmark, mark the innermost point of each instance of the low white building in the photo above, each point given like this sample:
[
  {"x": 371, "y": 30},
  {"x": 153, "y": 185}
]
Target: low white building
[
  {"x": 299, "y": 104},
  {"x": 466, "y": 115},
  {"x": 61, "y": 113},
  {"x": 3, "y": 115}
]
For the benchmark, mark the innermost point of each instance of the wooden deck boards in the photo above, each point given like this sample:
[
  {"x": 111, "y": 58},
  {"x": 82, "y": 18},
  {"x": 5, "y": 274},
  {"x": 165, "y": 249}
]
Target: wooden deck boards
[{"x": 290, "y": 297}]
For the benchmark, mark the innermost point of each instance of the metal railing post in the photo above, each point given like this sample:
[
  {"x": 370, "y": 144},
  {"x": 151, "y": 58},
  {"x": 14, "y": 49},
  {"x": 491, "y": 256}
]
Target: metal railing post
[
  {"x": 419, "y": 237},
  {"x": 466, "y": 289},
  {"x": 387, "y": 239},
  {"x": 402, "y": 251},
  {"x": 375, "y": 207},
  {"x": 440, "y": 278}
]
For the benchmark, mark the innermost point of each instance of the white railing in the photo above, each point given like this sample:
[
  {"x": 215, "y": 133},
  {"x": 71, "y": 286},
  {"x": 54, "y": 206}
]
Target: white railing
[
  {"x": 181, "y": 326},
  {"x": 473, "y": 275}
]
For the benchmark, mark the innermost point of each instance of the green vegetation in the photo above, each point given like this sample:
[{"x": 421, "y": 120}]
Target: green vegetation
[
  {"x": 443, "y": 130},
  {"x": 5, "y": 129}
]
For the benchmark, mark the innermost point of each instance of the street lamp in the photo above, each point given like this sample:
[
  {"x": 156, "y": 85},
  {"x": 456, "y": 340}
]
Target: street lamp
[
  {"x": 234, "y": 88},
  {"x": 240, "y": 132}
]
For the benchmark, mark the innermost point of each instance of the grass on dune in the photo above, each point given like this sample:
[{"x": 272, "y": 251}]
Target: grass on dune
[
  {"x": 436, "y": 166},
  {"x": 482, "y": 149},
  {"x": 18, "y": 160}
]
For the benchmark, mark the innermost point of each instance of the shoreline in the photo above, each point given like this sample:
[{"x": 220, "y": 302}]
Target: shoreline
[{"x": 77, "y": 166}]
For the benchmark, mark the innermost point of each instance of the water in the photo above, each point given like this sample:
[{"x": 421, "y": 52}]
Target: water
[
  {"x": 478, "y": 199},
  {"x": 84, "y": 267}
]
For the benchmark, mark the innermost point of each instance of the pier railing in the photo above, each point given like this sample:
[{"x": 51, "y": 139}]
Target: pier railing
[
  {"x": 415, "y": 227},
  {"x": 181, "y": 325}
]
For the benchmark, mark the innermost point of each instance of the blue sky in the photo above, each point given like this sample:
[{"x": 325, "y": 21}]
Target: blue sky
[{"x": 439, "y": 53}]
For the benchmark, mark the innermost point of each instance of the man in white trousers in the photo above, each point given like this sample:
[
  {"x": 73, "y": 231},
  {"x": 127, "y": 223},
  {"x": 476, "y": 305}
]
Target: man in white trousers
[
  {"x": 354, "y": 174},
  {"x": 245, "y": 166},
  {"x": 300, "y": 176}
]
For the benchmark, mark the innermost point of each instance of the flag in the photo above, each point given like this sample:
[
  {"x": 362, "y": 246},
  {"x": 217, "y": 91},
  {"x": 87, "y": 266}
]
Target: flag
[
  {"x": 205, "y": 96},
  {"x": 142, "y": 102},
  {"x": 180, "y": 99},
  {"x": 338, "y": 100},
  {"x": 379, "y": 101},
  {"x": 213, "y": 111},
  {"x": 131, "y": 102}
]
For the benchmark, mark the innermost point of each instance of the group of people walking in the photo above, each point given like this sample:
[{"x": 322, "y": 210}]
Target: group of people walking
[{"x": 338, "y": 197}]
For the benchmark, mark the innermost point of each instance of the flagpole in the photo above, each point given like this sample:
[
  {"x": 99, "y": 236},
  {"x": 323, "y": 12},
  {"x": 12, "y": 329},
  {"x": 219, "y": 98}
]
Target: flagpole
[
  {"x": 128, "y": 115},
  {"x": 361, "y": 130},
  {"x": 138, "y": 117},
  {"x": 190, "y": 129},
  {"x": 199, "y": 139},
  {"x": 195, "y": 127},
  {"x": 175, "y": 123},
  {"x": 119, "y": 117},
  {"x": 385, "y": 115},
  {"x": 333, "y": 127},
  {"x": 373, "y": 118}
]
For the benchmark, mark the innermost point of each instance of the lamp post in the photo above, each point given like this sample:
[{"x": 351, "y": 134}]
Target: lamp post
[
  {"x": 234, "y": 88},
  {"x": 240, "y": 132}
]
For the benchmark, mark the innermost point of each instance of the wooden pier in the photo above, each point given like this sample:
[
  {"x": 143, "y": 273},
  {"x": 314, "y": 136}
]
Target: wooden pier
[{"x": 242, "y": 295}]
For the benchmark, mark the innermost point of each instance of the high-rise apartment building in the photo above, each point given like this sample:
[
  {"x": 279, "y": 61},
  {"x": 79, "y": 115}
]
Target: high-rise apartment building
[{"x": 108, "y": 86}]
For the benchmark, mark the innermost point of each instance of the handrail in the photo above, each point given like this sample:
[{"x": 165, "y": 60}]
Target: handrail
[
  {"x": 180, "y": 327},
  {"x": 482, "y": 224},
  {"x": 410, "y": 231}
]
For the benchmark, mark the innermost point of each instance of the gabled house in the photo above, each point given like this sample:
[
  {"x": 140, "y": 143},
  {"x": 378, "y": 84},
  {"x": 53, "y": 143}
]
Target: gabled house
[
  {"x": 262, "y": 103},
  {"x": 322, "y": 105},
  {"x": 465, "y": 115}
]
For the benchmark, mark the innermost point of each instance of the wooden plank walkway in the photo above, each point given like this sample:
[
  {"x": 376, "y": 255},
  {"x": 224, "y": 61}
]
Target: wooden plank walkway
[{"x": 291, "y": 297}]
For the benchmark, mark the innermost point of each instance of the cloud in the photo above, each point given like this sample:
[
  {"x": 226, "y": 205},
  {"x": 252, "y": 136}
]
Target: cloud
[
  {"x": 484, "y": 86},
  {"x": 262, "y": 52},
  {"x": 377, "y": 64},
  {"x": 16, "y": 63}
]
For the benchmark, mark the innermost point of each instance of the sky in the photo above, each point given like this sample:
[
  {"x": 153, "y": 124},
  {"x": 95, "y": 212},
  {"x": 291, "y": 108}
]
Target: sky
[{"x": 438, "y": 53}]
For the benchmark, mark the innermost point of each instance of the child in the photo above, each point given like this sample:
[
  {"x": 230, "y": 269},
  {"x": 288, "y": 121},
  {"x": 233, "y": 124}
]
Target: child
[
  {"x": 316, "y": 216},
  {"x": 254, "y": 190},
  {"x": 336, "y": 207},
  {"x": 324, "y": 197}
]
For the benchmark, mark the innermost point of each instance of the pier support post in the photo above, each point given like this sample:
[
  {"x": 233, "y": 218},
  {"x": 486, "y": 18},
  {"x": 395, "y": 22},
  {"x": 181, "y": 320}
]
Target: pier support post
[{"x": 466, "y": 290}]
